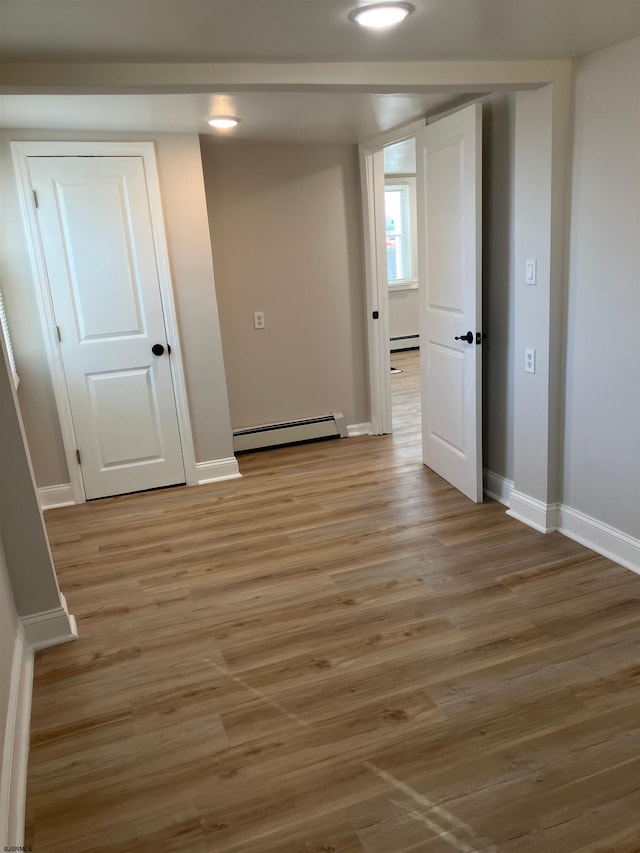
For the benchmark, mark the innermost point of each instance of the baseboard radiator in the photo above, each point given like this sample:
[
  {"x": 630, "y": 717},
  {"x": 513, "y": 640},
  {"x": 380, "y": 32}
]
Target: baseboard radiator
[
  {"x": 290, "y": 432},
  {"x": 404, "y": 342}
]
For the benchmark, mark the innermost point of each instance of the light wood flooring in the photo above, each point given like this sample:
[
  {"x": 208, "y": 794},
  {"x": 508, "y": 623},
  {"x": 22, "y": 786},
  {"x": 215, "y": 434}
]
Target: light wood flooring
[
  {"x": 405, "y": 394},
  {"x": 336, "y": 654}
]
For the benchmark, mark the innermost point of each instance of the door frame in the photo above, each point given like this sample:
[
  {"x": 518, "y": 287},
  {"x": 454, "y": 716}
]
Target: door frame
[
  {"x": 20, "y": 152},
  {"x": 375, "y": 271}
]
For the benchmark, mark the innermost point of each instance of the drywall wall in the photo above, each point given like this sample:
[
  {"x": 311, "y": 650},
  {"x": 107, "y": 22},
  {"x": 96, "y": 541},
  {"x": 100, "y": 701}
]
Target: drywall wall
[
  {"x": 187, "y": 226},
  {"x": 286, "y": 235},
  {"x": 498, "y": 311},
  {"x": 16, "y": 280},
  {"x": 403, "y": 312},
  {"x": 541, "y": 123},
  {"x": 26, "y": 549},
  {"x": 602, "y": 397},
  {"x": 532, "y": 213},
  {"x": 182, "y": 189},
  {"x": 9, "y": 627}
]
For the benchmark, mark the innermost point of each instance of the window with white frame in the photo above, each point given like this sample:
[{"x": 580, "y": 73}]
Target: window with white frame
[
  {"x": 400, "y": 226},
  {"x": 4, "y": 325}
]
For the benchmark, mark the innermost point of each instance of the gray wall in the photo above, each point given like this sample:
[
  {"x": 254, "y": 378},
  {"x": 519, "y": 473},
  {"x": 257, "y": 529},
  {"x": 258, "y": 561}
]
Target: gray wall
[
  {"x": 36, "y": 393},
  {"x": 498, "y": 309},
  {"x": 538, "y": 232},
  {"x": 602, "y": 402},
  {"x": 8, "y": 638},
  {"x": 286, "y": 235},
  {"x": 26, "y": 549},
  {"x": 184, "y": 207},
  {"x": 531, "y": 240}
]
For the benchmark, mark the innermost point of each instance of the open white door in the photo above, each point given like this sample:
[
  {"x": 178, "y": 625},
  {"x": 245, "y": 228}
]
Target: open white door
[{"x": 449, "y": 190}]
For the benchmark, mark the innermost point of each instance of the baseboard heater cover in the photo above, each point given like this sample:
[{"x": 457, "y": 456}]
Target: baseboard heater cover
[
  {"x": 404, "y": 342},
  {"x": 290, "y": 432}
]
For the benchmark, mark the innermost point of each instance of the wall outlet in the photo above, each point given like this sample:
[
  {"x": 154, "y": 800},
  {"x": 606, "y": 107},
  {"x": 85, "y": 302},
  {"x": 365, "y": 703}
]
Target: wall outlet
[
  {"x": 530, "y": 360},
  {"x": 258, "y": 319}
]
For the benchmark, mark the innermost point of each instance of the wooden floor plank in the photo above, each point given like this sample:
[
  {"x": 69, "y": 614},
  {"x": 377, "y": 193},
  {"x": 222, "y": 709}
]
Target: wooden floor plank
[{"x": 338, "y": 653}]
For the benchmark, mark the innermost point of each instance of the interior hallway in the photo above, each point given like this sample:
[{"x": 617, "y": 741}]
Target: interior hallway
[{"x": 338, "y": 652}]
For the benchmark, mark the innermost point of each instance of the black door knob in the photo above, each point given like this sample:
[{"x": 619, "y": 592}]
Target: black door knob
[
  {"x": 157, "y": 349},
  {"x": 468, "y": 338}
]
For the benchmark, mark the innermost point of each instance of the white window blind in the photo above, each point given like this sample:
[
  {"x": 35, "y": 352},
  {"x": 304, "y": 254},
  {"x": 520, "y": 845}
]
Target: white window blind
[{"x": 7, "y": 340}]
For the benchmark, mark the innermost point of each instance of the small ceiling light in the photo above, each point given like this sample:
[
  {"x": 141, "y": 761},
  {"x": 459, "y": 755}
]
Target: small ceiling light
[
  {"x": 381, "y": 15},
  {"x": 223, "y": 122}
]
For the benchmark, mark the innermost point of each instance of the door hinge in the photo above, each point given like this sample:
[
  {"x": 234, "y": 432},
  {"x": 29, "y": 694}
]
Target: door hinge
[
  {"x": 78, "y": 456},
  {"x": 35, "y": 198},
  {"x": 59, "y": 333}
]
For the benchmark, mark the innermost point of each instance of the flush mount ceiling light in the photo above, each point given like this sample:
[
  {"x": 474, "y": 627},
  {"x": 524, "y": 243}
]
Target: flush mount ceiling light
[
  {"x": 223, "y": 122},
  {"x": 381, "y": 15}
]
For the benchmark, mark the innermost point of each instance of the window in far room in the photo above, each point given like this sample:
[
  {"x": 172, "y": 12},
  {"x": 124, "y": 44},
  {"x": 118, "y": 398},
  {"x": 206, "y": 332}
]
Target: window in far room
[{"x": 400, "y": 216}]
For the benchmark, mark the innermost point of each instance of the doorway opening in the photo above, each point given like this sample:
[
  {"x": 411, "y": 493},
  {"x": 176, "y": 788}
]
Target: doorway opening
[
  {"x": 448, "y": 187},
  {"x": 401, "y": 233}
]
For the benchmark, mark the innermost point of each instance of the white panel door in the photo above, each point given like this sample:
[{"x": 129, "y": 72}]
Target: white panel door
[
  {"x": 449, "y": 189},
  {"x": 96, "y": 232}
]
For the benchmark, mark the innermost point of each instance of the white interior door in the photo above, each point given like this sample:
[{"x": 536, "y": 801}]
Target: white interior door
[
  {"x": 95, "y": 227},
  {"x": 449, "y": 189}
]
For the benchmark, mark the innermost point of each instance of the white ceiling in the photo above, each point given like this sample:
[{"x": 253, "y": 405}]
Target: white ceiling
[
  {"x": 312, "y": 30},
  {"x": 279, "y": 31},
  {"x": 321, "y": 117}
]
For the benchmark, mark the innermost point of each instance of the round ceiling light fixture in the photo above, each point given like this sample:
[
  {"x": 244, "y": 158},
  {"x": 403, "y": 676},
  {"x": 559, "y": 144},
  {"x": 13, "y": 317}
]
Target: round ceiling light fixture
[
  {"x": 381, "y": 15},
  {"x": 223, "y": 122}
]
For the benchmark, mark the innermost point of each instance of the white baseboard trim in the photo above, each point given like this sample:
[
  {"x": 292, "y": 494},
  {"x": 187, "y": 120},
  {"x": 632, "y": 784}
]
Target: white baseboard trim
[
  {"x": 588, "y": 531},
  {"x": 206, "y": 472},
  {"x": 15, "y": 752},
  {"x": 217, "y": 470},
  {"x": 541, "y": 516},
  {"x": 51, "y": 627},
  {"x": 52, "y": 496},
  {"x": 354, "y": 430},
  {"x": 497, "y": 487},
  {"x": 600, "y": 537}
]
